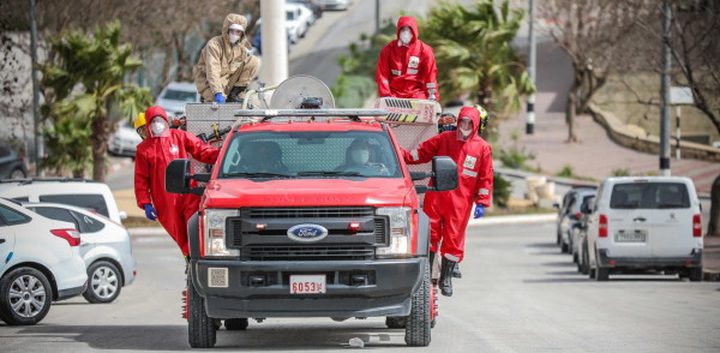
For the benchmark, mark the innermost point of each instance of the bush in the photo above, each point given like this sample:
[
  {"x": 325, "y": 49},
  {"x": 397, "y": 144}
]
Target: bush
[
  {"x": 501, "y": 190},
  {"x": 566, "y": 172},
  {"x": 515, "y": 158},
  {"x": 620, "y": 172}
]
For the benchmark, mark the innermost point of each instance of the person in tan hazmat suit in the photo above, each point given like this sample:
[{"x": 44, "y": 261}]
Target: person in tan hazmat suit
[{"x": 226, "y": 66}]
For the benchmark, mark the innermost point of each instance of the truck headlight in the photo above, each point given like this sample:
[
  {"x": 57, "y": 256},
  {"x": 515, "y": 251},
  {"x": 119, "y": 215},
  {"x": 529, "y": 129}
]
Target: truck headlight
[
  {"x": 215, "y": 232},
  {"x": 400, "y": 231}
]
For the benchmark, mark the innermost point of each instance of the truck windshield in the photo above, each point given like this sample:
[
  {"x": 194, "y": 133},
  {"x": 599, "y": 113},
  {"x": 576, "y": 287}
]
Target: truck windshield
[{"x": 341, "y": 154}]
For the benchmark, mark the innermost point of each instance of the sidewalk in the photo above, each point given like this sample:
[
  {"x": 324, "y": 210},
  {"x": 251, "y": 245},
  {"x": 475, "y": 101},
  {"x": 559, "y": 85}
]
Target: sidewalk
[{"x": 595, "y": 156}]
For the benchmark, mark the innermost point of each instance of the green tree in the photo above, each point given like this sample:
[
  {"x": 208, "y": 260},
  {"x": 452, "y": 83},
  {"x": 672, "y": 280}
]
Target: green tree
[
  {"x": 473, "y": 53},
  {"x": 86, "y": 79}
]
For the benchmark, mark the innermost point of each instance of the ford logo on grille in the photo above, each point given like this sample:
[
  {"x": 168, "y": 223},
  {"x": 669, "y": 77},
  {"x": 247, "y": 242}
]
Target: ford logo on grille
[{"x": 307, "y": 233}]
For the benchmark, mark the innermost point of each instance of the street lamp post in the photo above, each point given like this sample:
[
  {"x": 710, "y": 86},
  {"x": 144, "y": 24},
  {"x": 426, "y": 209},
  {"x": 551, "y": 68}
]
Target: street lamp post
[
  {"x": 665, "y": 91},
  {"x": 274, "y": 68},
  {"x": 530, "y": 124},
  {"x": 37, "y": 156}
]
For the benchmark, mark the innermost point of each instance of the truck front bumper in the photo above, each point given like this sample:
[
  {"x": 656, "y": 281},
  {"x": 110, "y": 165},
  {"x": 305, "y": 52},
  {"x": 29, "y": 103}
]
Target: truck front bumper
[{"x": 381, "y": 287}]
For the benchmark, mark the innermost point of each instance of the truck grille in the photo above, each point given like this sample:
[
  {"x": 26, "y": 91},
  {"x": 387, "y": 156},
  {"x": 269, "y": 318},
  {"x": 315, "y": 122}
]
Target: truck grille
[
  {"x": 308, "y": 213},
  {"x": 307, "y": 253}
]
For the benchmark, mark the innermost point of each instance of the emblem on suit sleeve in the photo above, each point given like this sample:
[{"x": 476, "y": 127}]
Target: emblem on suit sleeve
[
  {"x": 470, "y": 162},
  {"x": 174, "y": 149}
]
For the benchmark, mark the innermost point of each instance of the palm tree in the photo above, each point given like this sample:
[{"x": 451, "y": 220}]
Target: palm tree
[
  {"x": 474, "y": 54},
  {"x": 86, "y": 81}
]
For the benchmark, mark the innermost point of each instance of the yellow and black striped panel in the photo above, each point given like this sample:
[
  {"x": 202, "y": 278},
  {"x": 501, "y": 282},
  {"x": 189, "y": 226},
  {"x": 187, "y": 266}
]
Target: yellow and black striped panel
[{"x": 403, "y": 118}]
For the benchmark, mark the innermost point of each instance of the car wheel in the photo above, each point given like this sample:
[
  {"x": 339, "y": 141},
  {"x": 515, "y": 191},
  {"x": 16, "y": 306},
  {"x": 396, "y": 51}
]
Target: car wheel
[
  {"x": 25, "y": 296},
  {"x": 602, "y": 274},
  {"x": 564, "y": 247},
  {"x": 395, "y": 322},
  {"x": 104, "y": 283},
  {"x": 236, "y": 324},
  {"x": 695, "y": 274},
  {"x": 201, "y": 329},
  {"x": 584, "y": 264},
  {"x": 418, "y": 324},
  {"x": 18, "y": 173}
]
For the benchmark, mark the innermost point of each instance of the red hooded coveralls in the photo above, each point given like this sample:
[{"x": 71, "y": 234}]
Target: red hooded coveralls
[
  {"x": 152, "y": 157},
  {"x": 407, "y": 71},
  {"x": 449, "y": 211}
]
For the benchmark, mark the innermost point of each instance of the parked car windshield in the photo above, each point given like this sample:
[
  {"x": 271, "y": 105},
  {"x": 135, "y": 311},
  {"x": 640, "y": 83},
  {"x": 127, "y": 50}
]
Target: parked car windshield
[
  {"x": 176, "y": 95},
  {"x": 290, "y": 15},
  {"x": 310, "y": 155},
  {"x": 649, "y": 196}
]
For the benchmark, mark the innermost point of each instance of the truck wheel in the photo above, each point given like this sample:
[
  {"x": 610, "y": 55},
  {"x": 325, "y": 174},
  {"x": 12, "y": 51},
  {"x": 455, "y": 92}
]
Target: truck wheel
[
  {"x": 236, "y": 324},
  {"x": 25, "y": 296},
  {"x": 417, "y": 325},
  {"x": 602, "y": 274},
  {"x": 104, "y": 283},
  {"x": 395, "y": 322},
  {"x": 201, "y": 329},
  {"x": 695, "y": 274}
]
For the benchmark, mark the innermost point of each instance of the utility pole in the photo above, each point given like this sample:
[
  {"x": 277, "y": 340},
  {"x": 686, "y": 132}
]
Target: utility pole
[
  {"x": 530, "y": 124},
  {"x": 377, "y": 16},
  {"x": 37, "y": 156},
  {"x": 665, "y": 91},
  {"x": 274, "y": 68}
]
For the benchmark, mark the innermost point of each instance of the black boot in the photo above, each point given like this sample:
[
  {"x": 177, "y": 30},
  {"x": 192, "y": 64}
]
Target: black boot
[
  {"x": 456, "y": 272},
  {"x": 236, "y": 94},
  {"x": 446, "y": 271}
]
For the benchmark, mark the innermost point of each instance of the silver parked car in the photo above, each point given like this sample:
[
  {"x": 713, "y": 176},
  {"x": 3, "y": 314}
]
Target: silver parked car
[
  {"x": 174, "y": 97},
  {"x": 105, "y": 248}
]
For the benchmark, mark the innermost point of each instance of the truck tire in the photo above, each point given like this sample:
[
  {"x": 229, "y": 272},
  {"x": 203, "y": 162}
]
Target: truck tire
[
  {"x": 602, "y": 274},
  {"x": 417, "y": 325},
  {"x": 236, "y": 324},
  {"x": 395, "y": 322},
  {"x": 25, "y": 296},
  {"x": 695, "y": 274},
  {"x": 201, "y": 329},
  {"x": 104, "y": 283}
]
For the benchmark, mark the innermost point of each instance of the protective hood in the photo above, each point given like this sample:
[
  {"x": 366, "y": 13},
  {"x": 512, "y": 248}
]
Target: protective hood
[
  {"x": 474, "y": 115},
  {"x": 408, "y": 21},
  {"x": 150, "y": 114},
  {"x": 231, "y": 19}
]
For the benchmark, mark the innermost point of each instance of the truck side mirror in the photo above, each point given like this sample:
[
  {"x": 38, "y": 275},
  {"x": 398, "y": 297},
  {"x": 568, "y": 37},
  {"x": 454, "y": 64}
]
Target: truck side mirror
[
  {"x": 445, "y": 174},
  {"x": 177, "y": 177}
]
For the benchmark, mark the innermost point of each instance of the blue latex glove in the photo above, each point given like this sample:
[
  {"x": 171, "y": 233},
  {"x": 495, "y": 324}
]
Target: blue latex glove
[
  {"x": 219, "y": 98},
  {"x": 150, "y": 212},
  {"x": 479, "y": 211}
]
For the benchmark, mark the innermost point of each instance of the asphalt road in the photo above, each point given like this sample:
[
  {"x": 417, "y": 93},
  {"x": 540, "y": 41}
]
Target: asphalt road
[{"x": 518, "y": 294}]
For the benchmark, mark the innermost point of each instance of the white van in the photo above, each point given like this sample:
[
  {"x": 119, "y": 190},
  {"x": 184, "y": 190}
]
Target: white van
[
  {"x": 75, "y": 192},
  {"x": 648, "y": 223}
]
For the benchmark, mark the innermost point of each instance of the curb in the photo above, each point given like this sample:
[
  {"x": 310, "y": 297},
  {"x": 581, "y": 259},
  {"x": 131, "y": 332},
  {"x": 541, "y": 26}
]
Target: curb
[
  {"x": 711, "y": 276},
  {"x": 519, "y": 219},
  {"x": 146, "y": 231}
]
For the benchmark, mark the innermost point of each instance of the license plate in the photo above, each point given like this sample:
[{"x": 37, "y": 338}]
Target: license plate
[
  {"x": 307, "y": 284},
  {"x": 631, "y": 236}
]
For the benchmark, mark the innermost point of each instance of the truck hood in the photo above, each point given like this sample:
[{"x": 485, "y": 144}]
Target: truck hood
[{"x": 237, "y": 193}]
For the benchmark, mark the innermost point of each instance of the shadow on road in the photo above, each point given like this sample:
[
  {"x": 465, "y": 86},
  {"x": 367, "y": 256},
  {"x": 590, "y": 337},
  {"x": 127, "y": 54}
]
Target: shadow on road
[
  {"x": 174, "y": 338},
  {"x": 542, "y": 245}
]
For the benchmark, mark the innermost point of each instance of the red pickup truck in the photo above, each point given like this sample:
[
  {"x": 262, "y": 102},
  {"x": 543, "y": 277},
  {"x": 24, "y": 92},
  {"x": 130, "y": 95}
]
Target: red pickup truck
[{"x": 294, "y": 222}]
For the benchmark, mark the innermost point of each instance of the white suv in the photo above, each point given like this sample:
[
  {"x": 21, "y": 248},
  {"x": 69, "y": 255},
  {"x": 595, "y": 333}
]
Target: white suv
[
  {"x": 41, "y": 262},
  {"x": 105, "y": 247},
  {"x": 651, "y": 223},
  {"x": 76, "y": 192}
]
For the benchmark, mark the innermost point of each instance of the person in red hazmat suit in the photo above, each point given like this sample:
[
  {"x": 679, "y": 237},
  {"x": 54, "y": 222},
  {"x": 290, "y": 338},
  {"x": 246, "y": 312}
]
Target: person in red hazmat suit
[
  {"x": 406, "y": 66},
  {"x": 153, "y": 155},
  {"x": 449, "y": 211}
]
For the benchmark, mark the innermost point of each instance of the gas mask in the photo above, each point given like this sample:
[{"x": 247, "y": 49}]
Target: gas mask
[
  {"x": 158, "y": 126},
  {"x": 360, "y": 156},
  {"x": 465, "y": 128},
  {"x": 235, "y": 33},
  {"x": 234, "y": 38},
  {"x": 406, "y": 36}
]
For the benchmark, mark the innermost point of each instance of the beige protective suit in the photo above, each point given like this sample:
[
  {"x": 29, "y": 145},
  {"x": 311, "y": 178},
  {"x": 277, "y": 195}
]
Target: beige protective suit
[{"x": 223, "y": 66}]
